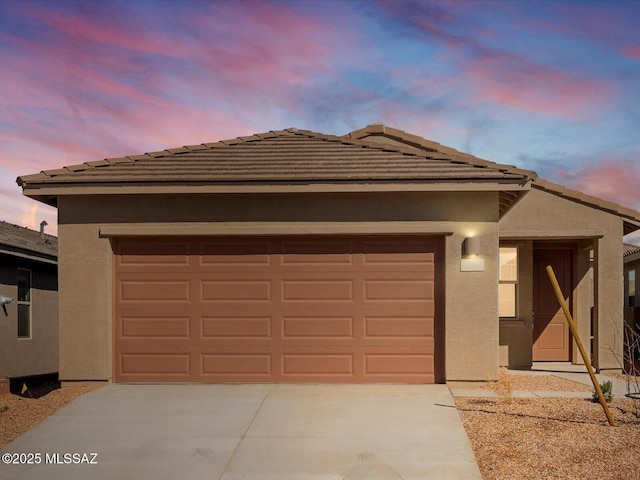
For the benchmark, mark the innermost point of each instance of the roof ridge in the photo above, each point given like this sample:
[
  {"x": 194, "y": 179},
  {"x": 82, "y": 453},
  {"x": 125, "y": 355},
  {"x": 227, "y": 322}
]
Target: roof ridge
[
  {"x": 380, "y": 129},
  {"x": 4, "y": 223},
  {"x": 445, "y": 153}
]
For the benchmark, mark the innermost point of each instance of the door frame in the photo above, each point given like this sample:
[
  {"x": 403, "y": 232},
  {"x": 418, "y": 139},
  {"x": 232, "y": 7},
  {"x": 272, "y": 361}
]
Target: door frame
[{"x": 570, "y": 249}]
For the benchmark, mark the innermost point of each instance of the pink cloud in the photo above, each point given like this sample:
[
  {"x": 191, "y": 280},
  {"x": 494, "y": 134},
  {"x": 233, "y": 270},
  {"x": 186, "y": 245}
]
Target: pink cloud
[
  {"x": 632, "y": 51},
  {"x": 276, "y": 49},
  {"x": 512, "y": 80},
  {"x": 613, "y": 178},
  {"x": 114, "y": 87},
  {"x": 126, "y": 34},
  {"x": 59, "y": 72},
  {"x": 20, "y": 210},
  {"x": 273, "y": 43},
  {"x": 490, "y": 69}
]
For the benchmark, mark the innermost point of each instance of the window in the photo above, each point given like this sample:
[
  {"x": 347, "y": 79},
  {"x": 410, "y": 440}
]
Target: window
[
  {"x": 508, "y": 282},
  {"x": 631, "y": 289},
  {"x": 24, "y": 303}
]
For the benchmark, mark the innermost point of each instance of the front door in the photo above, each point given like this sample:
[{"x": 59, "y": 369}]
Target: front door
[{"x": 551, "y": 336}]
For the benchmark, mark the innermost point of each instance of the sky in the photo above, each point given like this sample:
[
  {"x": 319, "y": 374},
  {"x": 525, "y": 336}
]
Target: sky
[{"x": 550, "y": 86}]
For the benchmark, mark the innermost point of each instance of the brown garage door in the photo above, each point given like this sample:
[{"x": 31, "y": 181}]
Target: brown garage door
[{"x": 290, "y": 309}]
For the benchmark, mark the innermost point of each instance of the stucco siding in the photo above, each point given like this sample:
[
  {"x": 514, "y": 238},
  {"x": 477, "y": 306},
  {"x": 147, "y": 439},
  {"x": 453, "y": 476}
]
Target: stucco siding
[
  {"x": 472, "y": 307},
  {"x": 38, "y": 354},
  {"x": 85, "y": 256},
  {"x": 542, "y": 216},
  {"x": 85, "y": 300}
]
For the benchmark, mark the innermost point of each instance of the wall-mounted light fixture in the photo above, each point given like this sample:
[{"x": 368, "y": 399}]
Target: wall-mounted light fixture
[
  {"x": 471, "y": 260},
  {"x": 471, "y": 247},
  {"x": 4, "y": 301}
]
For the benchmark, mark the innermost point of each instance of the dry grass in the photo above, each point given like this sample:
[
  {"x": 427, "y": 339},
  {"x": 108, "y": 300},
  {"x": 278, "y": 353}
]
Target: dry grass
[
  {"x": 504, "y": 385},
  {"x": 18, "y": 415}
]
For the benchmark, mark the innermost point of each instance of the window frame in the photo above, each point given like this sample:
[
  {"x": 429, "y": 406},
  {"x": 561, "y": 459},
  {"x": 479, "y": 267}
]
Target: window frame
[
  {"x": 630, "y": 287},
  {"x": 515, "y": 283},
  {"x": 24, "y": 302}
]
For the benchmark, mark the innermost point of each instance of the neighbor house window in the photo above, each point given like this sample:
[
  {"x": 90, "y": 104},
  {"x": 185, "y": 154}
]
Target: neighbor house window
[
  {"x": 508, "y": 282},
  {"x": 631, "y": 289},
  {"x": 24, "y": 303}
]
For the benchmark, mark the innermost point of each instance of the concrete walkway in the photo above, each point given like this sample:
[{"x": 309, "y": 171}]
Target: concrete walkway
[
  {"x": 574, "y": 373},
  {"x": 230, "y": 432}
]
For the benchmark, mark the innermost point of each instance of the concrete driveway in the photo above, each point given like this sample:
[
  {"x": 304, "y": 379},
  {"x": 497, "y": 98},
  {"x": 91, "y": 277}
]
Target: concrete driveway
[{"x": 230, "y": 432}]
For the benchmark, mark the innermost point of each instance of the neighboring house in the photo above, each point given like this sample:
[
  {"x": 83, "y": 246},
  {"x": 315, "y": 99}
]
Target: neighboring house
[
  {"x": 632, "y": 306},
  {"x": 294, "y": 256},
  {"x": 29, "y": 276}
]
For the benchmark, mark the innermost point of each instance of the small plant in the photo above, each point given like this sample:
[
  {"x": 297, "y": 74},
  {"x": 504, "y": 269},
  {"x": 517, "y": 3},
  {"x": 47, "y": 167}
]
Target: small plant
[
  {"x": 607, "y": 392},
  {"x": 503, "y": 385},
  {"x": 4, "y": 409}
]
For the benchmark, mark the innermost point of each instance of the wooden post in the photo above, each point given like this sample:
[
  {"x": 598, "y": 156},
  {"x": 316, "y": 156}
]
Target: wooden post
[{"x": 574, "y": 332}]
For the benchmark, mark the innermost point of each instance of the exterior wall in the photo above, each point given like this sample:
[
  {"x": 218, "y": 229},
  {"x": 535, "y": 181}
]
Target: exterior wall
[
  {"x": 85, "y": 304},
  {"x": 21, "y": 357},
  {"x": 541, "y": 216},
  {"x": 516, "y": 336},
  {"x": 583, "y": 297},
  {"x": 472, "y": 308},
  {"x": 85, "y": 257}
]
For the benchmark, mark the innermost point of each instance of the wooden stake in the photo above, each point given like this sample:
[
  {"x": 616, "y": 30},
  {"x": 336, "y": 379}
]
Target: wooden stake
[{"x": 574, "y": 332}]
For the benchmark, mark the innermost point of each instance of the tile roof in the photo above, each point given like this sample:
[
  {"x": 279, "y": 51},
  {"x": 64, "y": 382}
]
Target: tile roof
[
  {"x": 290, "y": 155},
  {"x": 378, "y": 133},
  {"x": 630, "y": 249},
  {"x": 374, "y": 154},
  {"x": 378, "y": 130},
  {"x": 23, "y": 242}
]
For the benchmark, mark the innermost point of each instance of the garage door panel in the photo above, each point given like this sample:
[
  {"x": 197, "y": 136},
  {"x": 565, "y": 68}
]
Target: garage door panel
[
  {"x": 276, "y": 310},
  {"x": 319, "y": 365},
  {"x": 236, "y": 364},
  {"x": 166, "y": 327},
  {"x": 398, "y": 328},
  {"x": 314, "y": 290},
  {"x": 316, "y": 327},
  {"x": 154, "y": 290},
  {"x": 304, "y": 254},
  {"x": 234, "y": 290},
  {"x": 398, "y": 289},
  {"x": 156, "y": 363},
  {"x": 149, "y": 254},
  {"x": 398, "y": 365},
  {"x": 235, "y": 255},
  {"x": 236, "y": 327}
]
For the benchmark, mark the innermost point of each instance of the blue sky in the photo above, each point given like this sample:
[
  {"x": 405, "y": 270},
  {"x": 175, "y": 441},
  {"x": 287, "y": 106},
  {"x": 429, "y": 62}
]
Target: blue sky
[{"x": 551, "y": 86}]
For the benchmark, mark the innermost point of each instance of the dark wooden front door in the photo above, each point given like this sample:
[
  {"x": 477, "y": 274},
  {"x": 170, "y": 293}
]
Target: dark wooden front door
[{"x": 551, "y": 336}]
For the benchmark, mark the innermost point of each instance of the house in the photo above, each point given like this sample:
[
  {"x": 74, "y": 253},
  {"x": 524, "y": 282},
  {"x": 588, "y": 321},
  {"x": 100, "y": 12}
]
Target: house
[
  {"x": 295, "y": 256},
  {"x": 632, "y": 308},
  {"x": 29, "y": 323}
]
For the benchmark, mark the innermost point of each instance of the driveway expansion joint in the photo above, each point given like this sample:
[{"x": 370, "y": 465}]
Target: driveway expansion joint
[{"x": 246, "y": 430}]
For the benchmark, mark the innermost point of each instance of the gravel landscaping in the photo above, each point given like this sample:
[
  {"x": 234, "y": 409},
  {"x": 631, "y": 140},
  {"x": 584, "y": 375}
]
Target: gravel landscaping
[
  {"x": 554, "y": 438},
  {"x": 19, "y": 414}
]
